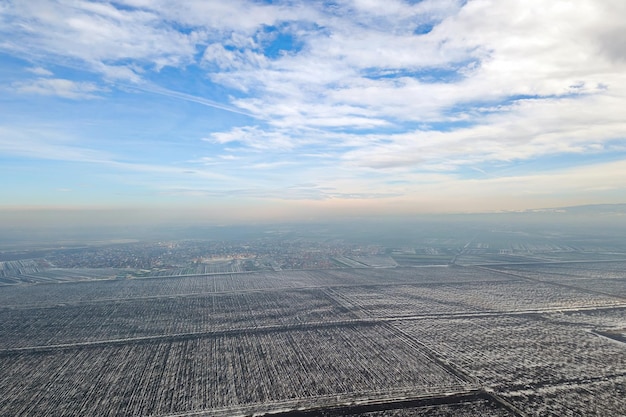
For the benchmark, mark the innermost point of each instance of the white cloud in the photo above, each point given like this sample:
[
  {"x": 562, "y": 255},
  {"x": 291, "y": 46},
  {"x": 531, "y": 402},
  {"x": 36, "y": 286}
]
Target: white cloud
[
  {"x": 254, "y": 138},
  {"x": 229, "y": 60},
  {"x": 497, "y": 49},
  {"x": 528, "y": 129},
  {"x": 566, "y": 87},
  {"x": 272, "y": 165},
  {"x": 40, "y": 71},
  {"x": 96, "y": 34},
  {"x": 58, "y": 87}
]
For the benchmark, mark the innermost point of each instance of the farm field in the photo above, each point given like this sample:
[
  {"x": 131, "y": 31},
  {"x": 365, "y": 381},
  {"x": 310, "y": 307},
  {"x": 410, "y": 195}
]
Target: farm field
[
  {"x": 524, "y": 357},
  {"x": 569, "y": 270},
  {"x": 77, "y": 292},
  {"x": 467, "y": 297},
  {"x": 369, "y": 341},
  {"x": 600, "y": 277},
  {"x": 539, "y": 257},
  {"x": 113, "y": 320},
  {"x": 419, "y": 259},
  {"x": 596, "y": 398},
  {"x": 349, "y": 363},
  {"x": 542, "y": 352}
]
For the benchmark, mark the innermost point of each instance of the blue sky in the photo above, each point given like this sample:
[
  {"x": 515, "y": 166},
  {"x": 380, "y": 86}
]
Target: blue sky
[{"x": 296, "y": 109}]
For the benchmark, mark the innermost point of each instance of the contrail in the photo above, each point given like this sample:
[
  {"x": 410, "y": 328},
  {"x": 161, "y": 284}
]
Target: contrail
[{"x": 191, "y": 98}]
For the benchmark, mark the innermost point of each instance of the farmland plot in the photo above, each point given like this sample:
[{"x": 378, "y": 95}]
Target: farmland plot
[
  {"x": 516, "y": 295},
  {"x": 21, "y": 267},
  {"x": 613, "y": 286},
  {"x": 40, "y": 295},
  {"x": 84, "y": 292},
  {"x": 512, "y": 353},
  {"x": 164, "y": 316},
  {"x": 375, "y": 260},
  {"x": 88, "y": 292},
  {"x": 397, "y": 301},
  {"x": 398, "y": 276},
  {"x": 81, "y": 292},
  {"x": 558, "y": 271},
  {"x": 479, "y": 258},
  {"x": 606, "y": 277},
  {"x": 54, "y": 275},
  {"x": 506, "y": 296},
  {"x": 270, "y": 369},
  {"x": 605, "y": 318},
  {"x": 591, "y": 255},
  {"x": 600, "y": 398},
  {"x": 357, "y": 277}
]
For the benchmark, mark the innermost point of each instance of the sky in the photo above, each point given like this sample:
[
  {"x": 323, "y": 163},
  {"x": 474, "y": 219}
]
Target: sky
[{"x": 251, "y": 110}]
